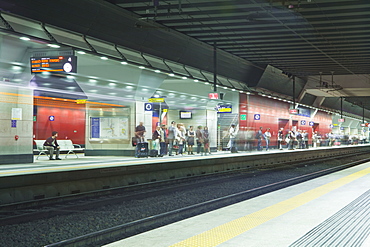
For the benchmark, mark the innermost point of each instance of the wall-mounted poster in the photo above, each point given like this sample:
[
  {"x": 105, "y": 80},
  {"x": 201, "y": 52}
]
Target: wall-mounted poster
[{"x": 109, "y": 127}]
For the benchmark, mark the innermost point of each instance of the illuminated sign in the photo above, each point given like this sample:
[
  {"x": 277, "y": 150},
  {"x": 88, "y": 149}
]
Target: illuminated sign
[
  {"x": 224, "y": 108},
  {"x": 156, "y": 100},
  {"x": 341, "y": 120},
  {"x": 59, "y": 64},
  {"x": 213, "y": 95},
  {"x": 293, "y": 111}
]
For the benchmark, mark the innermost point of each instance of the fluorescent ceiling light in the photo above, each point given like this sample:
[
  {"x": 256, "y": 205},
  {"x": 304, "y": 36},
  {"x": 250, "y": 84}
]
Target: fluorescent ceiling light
[{"x": 54, "y": 46}]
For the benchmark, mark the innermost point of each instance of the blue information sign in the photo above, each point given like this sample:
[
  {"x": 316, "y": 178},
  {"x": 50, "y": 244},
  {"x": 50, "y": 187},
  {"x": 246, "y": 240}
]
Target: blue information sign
[
  {"x": 311, "y": 123},
  {"x": 51, "y": 118},
  {"x": 148, "y": 107},
  {"x": 303, "y": 122},
  {"x": 14, "y": 123},
  {"x": 257, "y": 116},
  {"x": 95, "y": 127}
]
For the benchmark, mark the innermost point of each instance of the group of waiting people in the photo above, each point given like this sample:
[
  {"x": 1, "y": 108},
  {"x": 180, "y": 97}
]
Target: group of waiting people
[{"x": 177, "y": 139}]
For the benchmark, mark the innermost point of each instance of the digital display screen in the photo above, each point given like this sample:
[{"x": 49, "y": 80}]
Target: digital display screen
[
  {"x": 185, "y": 114},
  {"x": 59, "y": 64}
]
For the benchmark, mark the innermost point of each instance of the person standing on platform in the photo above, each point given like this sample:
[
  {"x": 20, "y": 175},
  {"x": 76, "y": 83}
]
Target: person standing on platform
[
  {"x": 139, "y": 134},
  {"x": 172, "y": 132},
  {"x": 156, "y": 138},
  {"x": 162, "y": 141},
  {"x": 232, "y": 133},
  {"x": 207, "y": 149},
  {"x": 280, "y": 138},
  {"x": 305, "y": 139},
  {"x": 191, "y": 136},
  {"x": 180, "y": 138},
  {"x": 199, "y": 138},
  {"x": 267, "y": 136},
  {"x": 249, "y": 139},
  {"x": 299, "y": 139},
  {"x": 259, "y": 136},
  {"x": 51, "y": 144}
]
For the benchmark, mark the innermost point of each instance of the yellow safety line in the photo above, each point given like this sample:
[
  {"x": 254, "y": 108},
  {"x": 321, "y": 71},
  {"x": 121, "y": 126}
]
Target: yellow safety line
[{"x": 227, "y": 231}]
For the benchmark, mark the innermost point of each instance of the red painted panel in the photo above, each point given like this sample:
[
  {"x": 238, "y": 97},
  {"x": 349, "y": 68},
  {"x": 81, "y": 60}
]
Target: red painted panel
[{"x": 69, "y": 121}]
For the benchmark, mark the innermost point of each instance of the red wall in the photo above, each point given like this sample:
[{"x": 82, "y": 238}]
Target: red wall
[
  {"x": 69, "y": 120},
  {"x": 272, "y": 110}
]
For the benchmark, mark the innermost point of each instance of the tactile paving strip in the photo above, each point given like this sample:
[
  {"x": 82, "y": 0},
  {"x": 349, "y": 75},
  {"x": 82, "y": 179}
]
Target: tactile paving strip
[{"x": 348, "y": 227}]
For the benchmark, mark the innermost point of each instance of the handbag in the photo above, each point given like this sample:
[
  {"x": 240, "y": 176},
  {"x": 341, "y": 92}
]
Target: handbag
[{"x": 287, "y": 140}]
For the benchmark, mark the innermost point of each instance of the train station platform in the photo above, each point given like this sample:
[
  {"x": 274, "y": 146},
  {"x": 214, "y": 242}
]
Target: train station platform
[
  {"x": 52, "y": 178},
  {"x": 332, "y": 210}
]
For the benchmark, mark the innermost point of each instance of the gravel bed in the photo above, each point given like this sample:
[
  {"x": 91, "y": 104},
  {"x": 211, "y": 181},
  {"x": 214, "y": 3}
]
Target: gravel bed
[{"x": 58, "y": 228}]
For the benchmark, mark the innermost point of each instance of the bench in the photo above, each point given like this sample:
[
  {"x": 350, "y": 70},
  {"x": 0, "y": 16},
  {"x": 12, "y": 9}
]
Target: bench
[{"x": 65, "y": 145}]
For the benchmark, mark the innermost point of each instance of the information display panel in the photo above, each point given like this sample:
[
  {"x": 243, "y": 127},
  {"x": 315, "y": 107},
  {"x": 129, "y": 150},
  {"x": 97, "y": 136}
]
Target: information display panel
[{"x": 57, "y": 64}]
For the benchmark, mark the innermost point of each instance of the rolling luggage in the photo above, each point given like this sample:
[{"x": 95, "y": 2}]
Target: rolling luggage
[
  {"x": 142, "y": 150},
  {"x": 153, "y": 153}
]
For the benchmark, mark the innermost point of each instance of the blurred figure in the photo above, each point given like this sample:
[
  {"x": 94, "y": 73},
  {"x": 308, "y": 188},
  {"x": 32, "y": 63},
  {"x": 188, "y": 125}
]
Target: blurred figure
[
  {"x": 280, "y": 138},
  {"x": 199, "y": 138},
  {"x": 259, "y": 136},
  {"x": 299, "y": 139},
  {"x": 172, "y": 133},
  {"x": 206, "y": 140},
  {"x": 305, "y": 138},
  {"x": 249, "y": 139},
  {"x": 232, "y": 135}
]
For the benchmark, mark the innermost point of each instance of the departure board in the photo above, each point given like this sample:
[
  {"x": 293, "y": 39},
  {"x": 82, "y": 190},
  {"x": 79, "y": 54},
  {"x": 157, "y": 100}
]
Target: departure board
[{"x": 59, "y": 64}]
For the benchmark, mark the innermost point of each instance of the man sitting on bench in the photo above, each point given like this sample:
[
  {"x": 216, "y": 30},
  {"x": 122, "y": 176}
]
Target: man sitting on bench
[{"x": 52, "y": 145}]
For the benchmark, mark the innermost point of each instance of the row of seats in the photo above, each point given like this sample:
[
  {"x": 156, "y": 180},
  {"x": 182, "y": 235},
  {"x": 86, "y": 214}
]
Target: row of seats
[{"x": 65, "y": 145}]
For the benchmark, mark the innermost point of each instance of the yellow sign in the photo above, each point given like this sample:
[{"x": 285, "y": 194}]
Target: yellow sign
[
  {"x": 81, "y": 101},
  {"x": 165, "y": 110},
  {"x": 156, "y": 100}
]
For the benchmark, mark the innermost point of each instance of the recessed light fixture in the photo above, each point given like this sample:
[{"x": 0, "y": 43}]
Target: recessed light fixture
[
  {"x": 184, "y": 77},
  {"x": 141, "y": 67},
  {"x": 25, "y": 38},
  {"x": 103, "y": 58},
  {"x": 157, "y": 71},
  {"x": 81, "y": 52},
  {"x": 171, "y": 74},
  {"x": 54, "y": 46},
  {"x": 92, "y": 80},
  {"x": 196, "y": 80},
  {"x": 124, "y": 63}
]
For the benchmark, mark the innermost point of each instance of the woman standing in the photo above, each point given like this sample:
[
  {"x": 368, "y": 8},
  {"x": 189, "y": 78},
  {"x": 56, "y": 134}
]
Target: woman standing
[
  {"x": 267, "y": 136},
  {"x": 191, "y": 135},
  {"x": 206, "y": 140}
]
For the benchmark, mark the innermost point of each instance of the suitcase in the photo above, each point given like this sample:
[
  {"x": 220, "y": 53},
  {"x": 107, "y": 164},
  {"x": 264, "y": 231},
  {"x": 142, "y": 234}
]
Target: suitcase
[
  {"x": 142, "y": 150},
  {"x": 233, "y": 150},
  {"x": 153, "y": 153}
]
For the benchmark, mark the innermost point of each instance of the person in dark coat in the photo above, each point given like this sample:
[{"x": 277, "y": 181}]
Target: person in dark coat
[{"x": 51, "y": 144}]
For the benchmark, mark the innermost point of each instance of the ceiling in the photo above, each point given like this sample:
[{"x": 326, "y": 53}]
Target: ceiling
[
  {"x": 306, "y": 38},
  {"x": 301, "y": 37}
]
